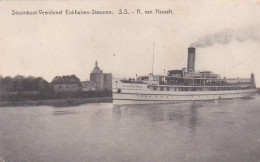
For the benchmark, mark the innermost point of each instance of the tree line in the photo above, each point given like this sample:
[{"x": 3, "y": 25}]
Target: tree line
[{"x": 21, "y": 83}]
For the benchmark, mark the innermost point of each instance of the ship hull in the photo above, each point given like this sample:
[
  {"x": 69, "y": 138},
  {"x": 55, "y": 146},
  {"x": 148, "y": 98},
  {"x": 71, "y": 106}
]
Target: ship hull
[
  {"x": 150, "y": 98},
  {"x": 124, "y": 94}
]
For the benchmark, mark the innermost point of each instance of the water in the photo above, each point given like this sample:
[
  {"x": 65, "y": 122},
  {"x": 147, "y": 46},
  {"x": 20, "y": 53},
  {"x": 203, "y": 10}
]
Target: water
[{"x": 227, "y": 130}]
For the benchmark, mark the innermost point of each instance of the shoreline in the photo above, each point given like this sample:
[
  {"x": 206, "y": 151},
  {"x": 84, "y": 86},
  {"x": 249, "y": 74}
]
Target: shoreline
[{"x": 57, "y": 102}]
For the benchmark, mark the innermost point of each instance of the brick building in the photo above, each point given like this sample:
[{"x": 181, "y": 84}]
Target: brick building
[
  {"x": 66, "y": 88},
  {"x": 88, "y": 86}
]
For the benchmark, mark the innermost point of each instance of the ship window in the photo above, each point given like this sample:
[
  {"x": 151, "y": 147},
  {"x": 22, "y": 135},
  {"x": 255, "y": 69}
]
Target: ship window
[
  {"x": 155, "y": 88},
  {"x": 168, "y": 88},
  {"x": 161, "y": 88}
]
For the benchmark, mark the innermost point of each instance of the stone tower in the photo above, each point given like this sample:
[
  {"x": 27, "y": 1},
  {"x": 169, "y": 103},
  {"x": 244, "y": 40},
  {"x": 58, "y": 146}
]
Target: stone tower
[
  {"x": 97, "y": 76},
  {"x": 108, "y": 81}
]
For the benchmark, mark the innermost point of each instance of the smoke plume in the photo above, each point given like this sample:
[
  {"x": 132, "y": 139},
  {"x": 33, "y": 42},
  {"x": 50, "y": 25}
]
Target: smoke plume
[{"x": 228, "y": 35}]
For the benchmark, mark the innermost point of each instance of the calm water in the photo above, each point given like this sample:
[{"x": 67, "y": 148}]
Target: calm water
[{"x": 227, "y": 130}]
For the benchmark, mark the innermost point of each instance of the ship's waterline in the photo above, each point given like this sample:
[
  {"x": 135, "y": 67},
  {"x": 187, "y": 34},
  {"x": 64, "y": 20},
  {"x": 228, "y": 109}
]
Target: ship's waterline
[{"x": 143, "y": 97}]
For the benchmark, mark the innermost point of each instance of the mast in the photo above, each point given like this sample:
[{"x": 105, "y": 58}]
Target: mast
[{"x": 153, "y": 52}]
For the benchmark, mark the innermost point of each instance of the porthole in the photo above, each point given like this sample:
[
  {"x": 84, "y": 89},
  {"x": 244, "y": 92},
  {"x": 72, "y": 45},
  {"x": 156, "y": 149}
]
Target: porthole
[{"x": 119, "y": 90}]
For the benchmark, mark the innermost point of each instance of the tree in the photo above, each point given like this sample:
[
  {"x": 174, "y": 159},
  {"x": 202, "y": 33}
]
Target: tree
[
  {"x": 20, "y": 83},
  {"x": 66, "y": 79}
]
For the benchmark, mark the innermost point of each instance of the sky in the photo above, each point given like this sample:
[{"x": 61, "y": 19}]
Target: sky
[{"x": 48, "y": 46}]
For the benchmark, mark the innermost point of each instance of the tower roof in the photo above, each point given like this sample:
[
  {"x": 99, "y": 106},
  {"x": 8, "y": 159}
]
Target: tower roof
[{"x": 97, "y": 69}]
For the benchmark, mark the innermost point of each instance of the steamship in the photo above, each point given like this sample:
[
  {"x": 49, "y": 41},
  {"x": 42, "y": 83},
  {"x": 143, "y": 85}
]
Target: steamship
[{"x": 181, "y": 85}]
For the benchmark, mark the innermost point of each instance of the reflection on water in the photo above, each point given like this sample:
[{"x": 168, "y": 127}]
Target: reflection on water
[
  {"x": 193, "y": 121},
  {"x": 226, "y": 130},
  {"x": 64, "y": 112},
  {"x": 183, "y": 114}
]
